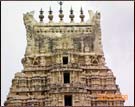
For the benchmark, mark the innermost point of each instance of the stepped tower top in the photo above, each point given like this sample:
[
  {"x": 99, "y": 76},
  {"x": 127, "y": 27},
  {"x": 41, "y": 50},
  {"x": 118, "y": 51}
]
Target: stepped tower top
[{"x": 82, "y": 37}]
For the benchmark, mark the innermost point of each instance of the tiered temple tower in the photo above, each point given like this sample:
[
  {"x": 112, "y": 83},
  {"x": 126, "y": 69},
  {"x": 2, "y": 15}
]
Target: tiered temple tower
[{"x": 64, "y": 65}]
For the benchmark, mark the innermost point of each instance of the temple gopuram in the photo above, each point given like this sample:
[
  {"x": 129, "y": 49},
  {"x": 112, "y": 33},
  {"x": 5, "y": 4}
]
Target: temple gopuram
[{"x": 64, "y": 64}]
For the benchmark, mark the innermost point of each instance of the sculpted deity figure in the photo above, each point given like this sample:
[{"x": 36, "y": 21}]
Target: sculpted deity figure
[
  {"x": 42, "y": 61},
  {"x": 87, "y": 48},
  {"x": 57, "y": 59},
  {"x": 72, "y": 59},
  {"x": 87, "y": 60},
  {"x": 28, "y": 61},
  {"x": 102, "y": 61}
]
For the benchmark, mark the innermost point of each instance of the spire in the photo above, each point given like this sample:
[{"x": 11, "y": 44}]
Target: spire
[
  {"x": 71, "y": 15},
  {"x": 41, "y": 16},
  {"x": 50, "y": 16},
  {"x": 81, "y": 10},
  {"x": 81, "y": 15},
  {"x": 61, "y": 15},
  {"x": 60, "y": 3},
  {"x": 50, "y": 11}
]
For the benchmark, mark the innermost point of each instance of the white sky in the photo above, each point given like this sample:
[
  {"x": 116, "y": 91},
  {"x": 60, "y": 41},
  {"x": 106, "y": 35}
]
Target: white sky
[{"x": 117, "y": 37}]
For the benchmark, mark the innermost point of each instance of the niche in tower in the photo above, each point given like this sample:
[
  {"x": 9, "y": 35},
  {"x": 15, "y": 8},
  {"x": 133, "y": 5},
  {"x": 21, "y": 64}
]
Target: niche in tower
[
  {"x": 68, "y": 100},
  {"x": 65, "y": 59},
  {"x": 66, "y": 77}
]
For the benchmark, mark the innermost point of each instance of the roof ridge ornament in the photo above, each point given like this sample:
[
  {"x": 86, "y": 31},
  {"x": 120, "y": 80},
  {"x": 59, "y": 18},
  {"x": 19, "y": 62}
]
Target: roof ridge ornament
[
  {"x": 81, "y": 14},
  {"x": 60, "y": 3},
  {"x": 50, "y": 16},
  {"x": 41, "y": 16},
  {"x": 71, "y": 15},
  {"x": 61, "y": 15}
]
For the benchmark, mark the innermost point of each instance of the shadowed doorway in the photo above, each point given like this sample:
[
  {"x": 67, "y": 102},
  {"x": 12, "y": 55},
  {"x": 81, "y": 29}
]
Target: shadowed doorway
[{"x": 68, "y": 100}]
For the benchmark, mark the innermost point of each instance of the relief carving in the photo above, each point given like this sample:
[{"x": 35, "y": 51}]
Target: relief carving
[
  {"x": 84, "y": 42},
  {"x": 77, "y": 44},
  {"x": 89, "y": 43},
  {"x": 87, "y": 60},
  {"x": 42, "y": 43},
  {"x": 58, "y": 59},
  {"x": 42, "y": 61},
  {"x": 102, "y": 61},
  {"x": 95, "y": 60},
  {"x": 27, "y": 61},
  {"x": 29, "y": 21},
  {"x": 87, "y": 48},
  {"x": 36, "y": 61}
]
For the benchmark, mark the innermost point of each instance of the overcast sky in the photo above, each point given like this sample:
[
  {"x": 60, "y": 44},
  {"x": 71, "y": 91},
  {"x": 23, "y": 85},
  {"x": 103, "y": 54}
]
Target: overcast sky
[{"x": 117, "y": 37}]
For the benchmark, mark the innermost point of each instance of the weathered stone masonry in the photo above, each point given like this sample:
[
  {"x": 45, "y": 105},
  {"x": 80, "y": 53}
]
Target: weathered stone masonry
[{"x": 64, "y": 64}]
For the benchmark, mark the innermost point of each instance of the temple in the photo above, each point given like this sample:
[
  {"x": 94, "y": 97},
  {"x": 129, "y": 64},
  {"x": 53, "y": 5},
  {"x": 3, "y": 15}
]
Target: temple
[{"x": 64, "y": 64}]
